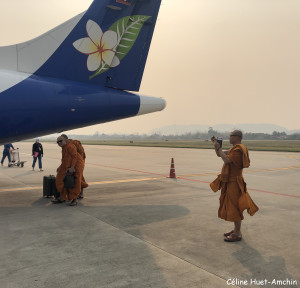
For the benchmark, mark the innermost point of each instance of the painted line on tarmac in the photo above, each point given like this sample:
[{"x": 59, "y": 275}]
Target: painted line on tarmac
[
  {"x": 125, "y": 181},
  {"x": 250, "y": 189},
  {"x": 126, "y": 169},
  {"x": 247, "y": 171},
  {"x": 275, "y": 169},
  {"x": 163, "y": 177},
  {"x": 294, "y": 157},
  {"x": 140, "y": 180},
  {"x": 114, "y": 167},
  {"x": 21, "y": 189},
  {"x": 179, "y": 177},
  {"x": 202, "y": 174},
  {"x": 90, "y": 184},
  {"x": 194, "y": 180},
  {"x": 281, "y": 194},
  {"x": 192, "y": 175}
]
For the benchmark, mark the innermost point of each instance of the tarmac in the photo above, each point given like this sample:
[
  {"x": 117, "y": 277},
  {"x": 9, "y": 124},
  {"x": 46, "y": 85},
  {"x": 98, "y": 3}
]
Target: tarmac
[{"x": 137, "y": 228}]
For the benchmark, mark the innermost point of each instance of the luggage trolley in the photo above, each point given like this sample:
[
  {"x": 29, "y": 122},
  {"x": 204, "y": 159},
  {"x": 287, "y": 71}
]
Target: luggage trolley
[{"x": 15, "y": 159}]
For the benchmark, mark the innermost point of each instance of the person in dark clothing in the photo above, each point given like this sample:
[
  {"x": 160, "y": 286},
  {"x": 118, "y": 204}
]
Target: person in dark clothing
[
  {"x": 6, "y": 152},
  {"x": 37, "y": 153}
]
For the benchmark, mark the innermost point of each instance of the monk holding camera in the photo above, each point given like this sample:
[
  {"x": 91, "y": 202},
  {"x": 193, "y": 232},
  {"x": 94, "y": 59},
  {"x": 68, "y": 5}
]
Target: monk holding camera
[{"x": 234, "y": 198}]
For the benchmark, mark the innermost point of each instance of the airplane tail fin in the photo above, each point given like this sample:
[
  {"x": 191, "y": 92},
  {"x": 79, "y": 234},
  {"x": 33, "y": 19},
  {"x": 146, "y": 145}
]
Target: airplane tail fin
[{"x": 107, "y": 46}]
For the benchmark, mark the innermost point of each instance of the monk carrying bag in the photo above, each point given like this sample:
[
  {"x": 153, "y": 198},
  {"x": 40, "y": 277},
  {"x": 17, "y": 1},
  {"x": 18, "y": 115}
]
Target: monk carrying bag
[{"x": 69, "y": 180}]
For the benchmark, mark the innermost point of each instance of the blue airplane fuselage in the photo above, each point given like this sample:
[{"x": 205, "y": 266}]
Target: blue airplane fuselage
[{"x": 40, "y": 106}]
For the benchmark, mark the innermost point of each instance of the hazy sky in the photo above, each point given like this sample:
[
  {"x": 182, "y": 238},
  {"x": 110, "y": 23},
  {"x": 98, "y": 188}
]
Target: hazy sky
[{"x": 213, "y": 61}]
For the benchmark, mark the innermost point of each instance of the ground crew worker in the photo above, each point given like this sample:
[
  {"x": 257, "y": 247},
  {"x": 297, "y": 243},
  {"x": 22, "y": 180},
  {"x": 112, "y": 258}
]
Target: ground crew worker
[{"x": 6, "y": 153}]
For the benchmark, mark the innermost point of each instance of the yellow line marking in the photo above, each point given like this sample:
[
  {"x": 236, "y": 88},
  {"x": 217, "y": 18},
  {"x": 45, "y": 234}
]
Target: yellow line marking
[
  {"x": 21, "y": 189},
  {"x": 125, "y": 181},
  {"x": 293, "y": 156},
  {"x": 90, "y": 184},
  {"x": 147, "y": 179},
  {"x": 275, "y": 169},
  {"x": 203, "y": 174}
]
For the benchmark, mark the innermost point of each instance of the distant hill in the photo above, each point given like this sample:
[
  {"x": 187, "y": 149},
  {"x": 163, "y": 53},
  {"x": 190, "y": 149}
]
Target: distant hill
[{"x": 246, "y": 128}]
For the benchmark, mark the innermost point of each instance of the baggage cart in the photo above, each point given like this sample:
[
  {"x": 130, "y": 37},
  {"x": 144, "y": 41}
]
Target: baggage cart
[{"x": 15, "y": 159}]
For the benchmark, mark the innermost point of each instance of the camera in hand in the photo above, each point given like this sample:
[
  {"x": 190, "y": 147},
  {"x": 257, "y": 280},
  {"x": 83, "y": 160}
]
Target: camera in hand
[{"x": 220, "y": 141}]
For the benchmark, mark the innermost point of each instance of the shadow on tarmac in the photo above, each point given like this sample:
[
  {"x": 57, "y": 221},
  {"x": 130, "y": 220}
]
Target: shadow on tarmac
[
  {"x": 127, "y": 216},
  {"x": 259, "y": 268},
  {"x": 58, "y": 238}
]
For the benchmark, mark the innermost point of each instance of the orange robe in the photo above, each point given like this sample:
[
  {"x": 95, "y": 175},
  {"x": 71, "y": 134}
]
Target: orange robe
[
  {"x": 70, "y": 157},
  {"x": 234, "y": 198},
  {"x": 80, "y": 150}
]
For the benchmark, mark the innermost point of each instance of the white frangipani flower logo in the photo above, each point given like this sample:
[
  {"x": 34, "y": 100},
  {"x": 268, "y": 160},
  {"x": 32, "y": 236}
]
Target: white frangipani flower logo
[
  {"x": 106, "y": 50},
  {"x": 100, "y": 47}
]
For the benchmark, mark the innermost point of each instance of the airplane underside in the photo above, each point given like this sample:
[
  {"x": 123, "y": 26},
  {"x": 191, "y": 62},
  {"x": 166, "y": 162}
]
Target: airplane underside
[{"x": 41, "y": 106}]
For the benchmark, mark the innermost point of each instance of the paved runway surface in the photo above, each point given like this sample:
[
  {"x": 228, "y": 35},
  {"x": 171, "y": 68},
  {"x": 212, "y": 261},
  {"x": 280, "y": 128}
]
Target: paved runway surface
[{"x": 137, "y": 228}]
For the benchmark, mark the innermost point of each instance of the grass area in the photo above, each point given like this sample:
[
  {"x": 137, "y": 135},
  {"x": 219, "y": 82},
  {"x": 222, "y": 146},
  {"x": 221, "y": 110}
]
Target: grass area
[{"x": 254, "y": 145}]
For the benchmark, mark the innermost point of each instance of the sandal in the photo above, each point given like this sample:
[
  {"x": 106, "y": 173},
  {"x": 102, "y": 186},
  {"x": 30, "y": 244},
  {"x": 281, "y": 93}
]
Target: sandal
[
  {"x": 228, "y": 233},
  {"x": 57, "y": 201},
  {"x": 73, "y": 202},
  {"x": 80, "y": 196},
  {"x": 233, "y": 238}
]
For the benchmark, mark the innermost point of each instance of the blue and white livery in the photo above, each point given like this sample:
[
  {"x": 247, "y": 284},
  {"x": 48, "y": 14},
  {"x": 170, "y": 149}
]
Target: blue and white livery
[{"x": 79, "y": 73}]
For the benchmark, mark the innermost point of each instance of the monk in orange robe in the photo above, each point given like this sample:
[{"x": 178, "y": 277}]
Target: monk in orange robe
[
  {"x": 71, "y": 162},
  {"x": 234, "y": 198},
  {"x": 81, "y": 151}
]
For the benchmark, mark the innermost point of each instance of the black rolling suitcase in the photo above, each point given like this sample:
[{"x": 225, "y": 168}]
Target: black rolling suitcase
[{"x": 49, "y": 187}]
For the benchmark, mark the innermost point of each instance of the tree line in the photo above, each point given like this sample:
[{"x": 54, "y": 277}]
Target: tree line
[{"x": 188, "y": 136}]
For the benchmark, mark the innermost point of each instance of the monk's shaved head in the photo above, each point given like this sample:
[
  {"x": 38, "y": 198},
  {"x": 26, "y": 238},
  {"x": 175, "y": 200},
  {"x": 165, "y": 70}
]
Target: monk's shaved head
[
  {"x": 239, "y": 133},
  {"x": 61, "y": 141},
  {"x": 64, "y": 135},
  {"x": 236, "y": 137}
]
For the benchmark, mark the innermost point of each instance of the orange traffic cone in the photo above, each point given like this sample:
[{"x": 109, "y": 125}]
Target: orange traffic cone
[{"x": 172, "y": 170}]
